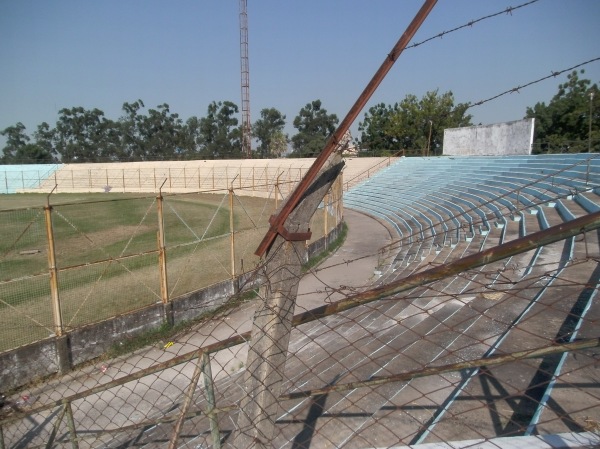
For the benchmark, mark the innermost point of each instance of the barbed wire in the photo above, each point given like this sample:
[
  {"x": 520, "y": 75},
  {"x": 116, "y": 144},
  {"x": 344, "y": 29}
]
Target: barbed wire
[
  {"x": 553, "y": 74},
  {"x": 508, "y": 10}
]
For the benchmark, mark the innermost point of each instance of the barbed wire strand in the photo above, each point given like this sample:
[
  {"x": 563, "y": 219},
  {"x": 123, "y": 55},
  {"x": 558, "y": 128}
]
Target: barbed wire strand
[
  {"x": 508, "y": 10},
  {"x": 553, "y": 74}
]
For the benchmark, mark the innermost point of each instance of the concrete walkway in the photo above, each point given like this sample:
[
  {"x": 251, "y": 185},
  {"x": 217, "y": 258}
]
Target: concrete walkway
[{"x": 351, "y": 268}]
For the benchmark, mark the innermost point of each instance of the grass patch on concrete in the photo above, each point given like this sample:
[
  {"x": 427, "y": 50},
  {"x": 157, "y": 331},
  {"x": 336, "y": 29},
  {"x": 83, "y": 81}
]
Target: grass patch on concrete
[
  {"x": 333, "y": 247},
  {"x": 166, "y": 333}
]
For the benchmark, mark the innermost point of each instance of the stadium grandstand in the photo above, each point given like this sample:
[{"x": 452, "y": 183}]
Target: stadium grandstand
[
  {"x": 497, "y": 352},
  {"x": 247, "y": 176}
]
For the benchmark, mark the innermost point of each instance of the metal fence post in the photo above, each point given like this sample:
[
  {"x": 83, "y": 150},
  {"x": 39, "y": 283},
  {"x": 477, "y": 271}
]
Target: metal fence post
[
  {"x": 587, "y": 173},
  {"x": 232, "y": 231},
  {"x": 186, "y": 404},
  {"x": 162, "y": 253},
  {"x": 277, "y": 191},
  {"x": 71, "y": 425},
  {"x": 210, "y": 398},
  {"x": 56, "y": 309},
  {"x": 340, "y": 199},
  {"x": 326, "y": 200}
]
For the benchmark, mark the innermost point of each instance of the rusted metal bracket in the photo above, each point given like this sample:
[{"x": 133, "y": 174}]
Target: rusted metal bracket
[{"x": 287, "y": 235}]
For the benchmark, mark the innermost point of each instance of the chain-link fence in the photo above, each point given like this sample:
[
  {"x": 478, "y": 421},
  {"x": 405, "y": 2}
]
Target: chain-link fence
[
  {"x": 169, "y": 176},
  {"x": 81, "y": 259},
  {"x": 466, "y": 332},
  {"x": 495, "y": 351}
]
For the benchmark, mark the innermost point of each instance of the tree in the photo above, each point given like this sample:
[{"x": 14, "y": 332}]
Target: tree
[
  {"x": 278, "y": 145},
  {"x": 84, "y": 135},
  {"x": 314, "y": 126},
  {"x": 266, "y": 129},
  {"x": 16, "y": 138},
  {"x": 219, "y": 135},
  {"x": 377, "y": 129},
  {"x": 414, "y": 125},
  {"x": 44, "y": 139},
  {"x": 563, "y": 125},
  {"x": 191, "y": 138},
  {"x": 159, "y": 135},
  {"x": 19, "y": 149}
]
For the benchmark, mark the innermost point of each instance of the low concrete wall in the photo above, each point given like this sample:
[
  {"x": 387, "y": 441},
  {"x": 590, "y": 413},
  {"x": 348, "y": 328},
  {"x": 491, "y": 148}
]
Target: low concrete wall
[
  {"x": 318, "y": 246},
  {"x": 89, "y": 342},
  {"x": 53, "y": 355},
  {"x": 27, "y": 363},
  {"x": 508, "y": 138},
  {"x": 192, "y": 305}
]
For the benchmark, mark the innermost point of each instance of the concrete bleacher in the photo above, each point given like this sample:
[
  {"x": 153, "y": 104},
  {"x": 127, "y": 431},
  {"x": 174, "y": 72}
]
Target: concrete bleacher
[
  {"x": 443, "y": 209},
  {"x": 14, "y": 178},
  {"x": 438, "y": 204},
  {"x": 248, "y": 176}
]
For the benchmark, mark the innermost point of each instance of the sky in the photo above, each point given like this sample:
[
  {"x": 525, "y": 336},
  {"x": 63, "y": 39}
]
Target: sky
[{"x": 186, "y": 53}]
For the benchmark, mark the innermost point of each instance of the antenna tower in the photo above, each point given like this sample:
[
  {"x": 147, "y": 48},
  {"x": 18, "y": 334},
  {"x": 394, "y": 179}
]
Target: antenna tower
[{"x": 245, "y": 70}]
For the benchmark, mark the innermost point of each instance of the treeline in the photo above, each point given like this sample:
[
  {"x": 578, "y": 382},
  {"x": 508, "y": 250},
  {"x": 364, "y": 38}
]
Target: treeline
[
  {"x": 83, "y": 135},
  {"x": 569, "y": 123}
]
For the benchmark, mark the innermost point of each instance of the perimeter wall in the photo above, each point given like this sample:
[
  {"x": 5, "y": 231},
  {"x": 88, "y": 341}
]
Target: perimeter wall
[{"x": 507, "y": 138}]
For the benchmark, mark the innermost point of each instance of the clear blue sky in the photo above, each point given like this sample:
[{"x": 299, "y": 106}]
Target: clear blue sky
[{"x": 100, "y": 54}]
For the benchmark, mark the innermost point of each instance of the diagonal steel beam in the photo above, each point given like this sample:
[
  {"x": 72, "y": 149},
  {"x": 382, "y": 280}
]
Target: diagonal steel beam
[
  {"x": 553, "y": 234},
  {"x": 279, "y": 220}
]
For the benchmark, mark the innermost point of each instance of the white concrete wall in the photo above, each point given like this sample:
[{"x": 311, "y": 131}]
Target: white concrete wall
[{"x": 499, "y": 139}]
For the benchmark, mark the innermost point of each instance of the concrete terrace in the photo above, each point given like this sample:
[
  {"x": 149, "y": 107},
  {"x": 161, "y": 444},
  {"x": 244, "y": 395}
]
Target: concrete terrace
[
  {"x": 415, "y": 214},
  {"x": 248, "y": 176}
]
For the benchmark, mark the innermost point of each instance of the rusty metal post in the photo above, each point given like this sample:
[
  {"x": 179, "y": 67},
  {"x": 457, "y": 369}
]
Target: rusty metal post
[
  {"x": 54, "y": 293},
  {"x": 210, "y": 399},
  {"x": 326, "y": 200},
  {"x": 58, "y": 422},
  {"x": 186, "y": 405},
  {"x": 63, "y": 353},
  {"x": 71, "y": 424},
  {"x": 340, "y": 210},
  {"x": 587, "y": 173},
  {"x": 232, "y": 232},
  {"x": 162, "y": 253},
  {"x": 277, "y": 191},
  {"x": 267, "y": 353}
]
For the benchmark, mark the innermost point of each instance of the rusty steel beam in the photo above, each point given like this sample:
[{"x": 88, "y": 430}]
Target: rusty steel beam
[
  {"x": 553, "y": 234},
  {"x": 376, "y": 381},
  {"x": 279, "y": 220},
  {"x": 452, "y": 367},
  {"x": 178, "y": 360},
  {"x": 189, "y": 396}
]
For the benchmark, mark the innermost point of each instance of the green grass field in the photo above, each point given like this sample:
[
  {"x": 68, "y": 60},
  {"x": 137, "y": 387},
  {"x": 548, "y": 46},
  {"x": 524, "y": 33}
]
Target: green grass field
[{"x": 107, "y": 253}]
